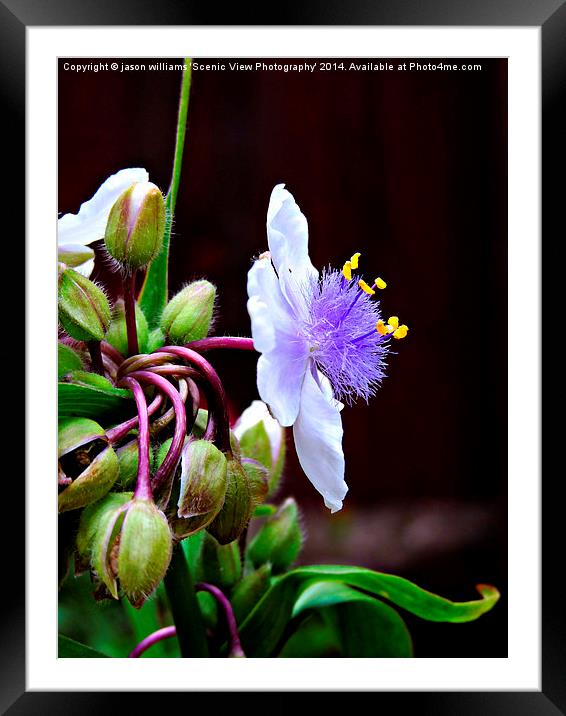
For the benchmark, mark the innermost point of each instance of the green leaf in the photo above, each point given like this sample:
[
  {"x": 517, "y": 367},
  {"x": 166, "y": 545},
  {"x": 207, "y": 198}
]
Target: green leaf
[
  {"x": 366, "y": 627},
  {"x": 153, "y": 296},
  {"x": 88, "y": 401},
  {"x": 67, "y": 360},
  {"x": 264, "y": 626},
  {"x": 71, "y": 649},
  {"x": 255, "y": 443},
  {"x": 315, "y": 637}
]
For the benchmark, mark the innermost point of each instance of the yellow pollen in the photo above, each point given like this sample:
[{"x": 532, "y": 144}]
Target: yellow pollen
[
  {"x": 368, "y": 289},
  {"x": 354, "y": 260},
  {"x": 401, "y": 332},
  {"x": 380, "y": 283},
  {"x": 347, "y": 270},
  {"x": 393, "y": 321},
  {"x": 381, "y": 328}
]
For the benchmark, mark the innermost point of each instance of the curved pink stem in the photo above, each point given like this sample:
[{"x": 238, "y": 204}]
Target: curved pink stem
[
  {"x": 216, "y": 395},
  {"x": 152, "y": 639},
  {"x": 209, "y": 344},
  {"x": 112, "y": 352},
  {"x": 174, "y": 453},
  {"x": 143, "y": 484},
  {"x": 119, "y": 431},
  {"x": 235, "y": 645}
]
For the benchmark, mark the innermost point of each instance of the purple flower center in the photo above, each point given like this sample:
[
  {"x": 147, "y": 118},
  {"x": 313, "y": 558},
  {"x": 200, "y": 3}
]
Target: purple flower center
[{"x": 341, "y": 334}]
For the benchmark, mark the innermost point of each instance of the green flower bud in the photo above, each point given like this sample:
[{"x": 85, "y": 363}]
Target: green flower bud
[
  {"x": 84, "y": 311},
  {"x": 136, "y": 224},
  {"x": 117, "y": 333},
  {"x": 67, "y": 360},
  {"x": 144, "y": 551},
  {"x": 262, "y": 439},
  {"x": 128, "y": 456},
  {"x": 132, "y": 549},
  {"x": 88, "y": 466},
  {"x": 94, "y": 521},
  {"x": 203, "y": 479},
  {"x": 188, "y": 315},
  {"x": 249, "y": 591},
  {"x": 279, "y": 540},
  {"x": 258, "y": 477},
  {"x": 219, "y": 564},
  {"x": 236, "y": 511}
]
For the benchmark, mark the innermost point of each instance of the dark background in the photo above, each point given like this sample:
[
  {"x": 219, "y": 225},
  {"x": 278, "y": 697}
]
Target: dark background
[{"x": 408, "y": 168}]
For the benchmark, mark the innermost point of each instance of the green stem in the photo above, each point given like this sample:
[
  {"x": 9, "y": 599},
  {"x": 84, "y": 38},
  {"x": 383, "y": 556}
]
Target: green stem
[
  {"x": 185, "y": 608},
  {"x": 153, "y": 295}
]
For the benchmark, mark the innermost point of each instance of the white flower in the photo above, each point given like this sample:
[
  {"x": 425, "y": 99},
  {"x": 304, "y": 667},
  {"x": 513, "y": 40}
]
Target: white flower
[
  {"x": 288, "y": 379},
  {"x": 76, "y": 231}
]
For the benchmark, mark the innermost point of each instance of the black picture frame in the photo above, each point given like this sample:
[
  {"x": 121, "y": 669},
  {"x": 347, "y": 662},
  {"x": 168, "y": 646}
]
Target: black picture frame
[{"x": 550, "y": 16}]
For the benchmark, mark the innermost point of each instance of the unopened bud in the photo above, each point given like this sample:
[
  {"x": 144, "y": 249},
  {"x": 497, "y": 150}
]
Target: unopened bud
[
  {"x": 262, "y": 439},
  {"x": 188, "y": 315},
  {"x": 203, "y": 479},
  {"x": 117, "y": 334},
  {"x": 155, "y": 340},
  {"x": 88, "y": 466},
  {"x": 136, "y": 224},
  {"x": 144, "y": 551},
  {"x": 94, "y": 520},
  {"x": 84, "y": 311},
  {"x": 249, "y": 591},
  {"x": 258, "y": 476},
  {"x": 279, "y": 540},
  {"x": 67, "y": 360},
  {"x": 128, "y": 458},
  {"x": 220, "y": 564},
  {"x": 236, "y": 511},
  {"x": 74, "y": 254}
]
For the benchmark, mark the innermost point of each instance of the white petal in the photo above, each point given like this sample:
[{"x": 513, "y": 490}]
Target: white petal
[
  {"x": 269, "y": 311},
  {"x": 318, "y": 441},
  {"x": 280, "y": 376},
  {"x": 288, "y": 236},
  {"x": 90, "y": 223}
]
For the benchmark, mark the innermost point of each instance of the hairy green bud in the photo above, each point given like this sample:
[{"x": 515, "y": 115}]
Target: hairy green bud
[
  {"x": 249, "y": 591},
  {"x": 155, "y": 340},
  {"x": 118, "y": 334},
  {"x": 94, "y": 520},
  {"x": 236, "y": 511},
  {"x": 203, "y": 479},
  {"x": 88, "y": 466},
  {"x": 144, "y": 551},
  {"x": 136, "y": 224},
  {"x": 188, "y": 315},
  {"x": 84, "y": 311},
  {"x": 279, "y": 540}
]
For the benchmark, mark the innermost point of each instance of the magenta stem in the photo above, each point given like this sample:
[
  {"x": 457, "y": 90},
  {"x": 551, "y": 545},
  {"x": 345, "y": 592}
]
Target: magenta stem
[
  {"x": 174, "y": 453},
  {"x": 235, "y": 645},
  {"x": 119, "y": 431},
  {"x": 215, "y": 394},
  {"x": 152, "y": 639},
  {"x": 112, "y": 352},
  {"x": 130, "y": 313},
  {"x": 209, "y": 344},
  {"x": 143, "y": 484}
]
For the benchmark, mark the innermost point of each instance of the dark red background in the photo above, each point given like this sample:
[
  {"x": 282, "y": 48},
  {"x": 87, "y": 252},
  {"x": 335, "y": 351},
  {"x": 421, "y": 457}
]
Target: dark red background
[{"x": 410, "y": 169}]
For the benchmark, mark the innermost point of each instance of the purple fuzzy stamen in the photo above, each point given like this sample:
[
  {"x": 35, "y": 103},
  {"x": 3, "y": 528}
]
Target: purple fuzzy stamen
[{"x": 341, "y": 334}]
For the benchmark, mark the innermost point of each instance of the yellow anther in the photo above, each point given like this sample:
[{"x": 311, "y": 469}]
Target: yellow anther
[
  {"x": 381, "y": 328},
  {"x": 380, "y": 283},
  {"x": 393, "y": 321},
  {"x": 368, "y": 289},
  {"x": 354, "y": 260},
  {"x": 347, "y": 270},
  {"x": 401, "y": 332}
]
